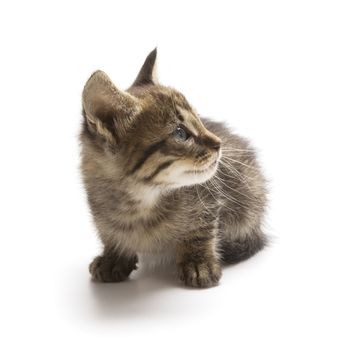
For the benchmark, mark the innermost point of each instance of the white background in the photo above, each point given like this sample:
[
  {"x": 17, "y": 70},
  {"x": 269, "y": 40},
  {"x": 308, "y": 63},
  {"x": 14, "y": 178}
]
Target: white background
[{"x": 277, "y": 71}]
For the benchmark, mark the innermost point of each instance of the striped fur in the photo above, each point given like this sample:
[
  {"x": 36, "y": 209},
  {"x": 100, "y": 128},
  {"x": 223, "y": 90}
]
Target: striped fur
[{"x": 201, "y": 200}]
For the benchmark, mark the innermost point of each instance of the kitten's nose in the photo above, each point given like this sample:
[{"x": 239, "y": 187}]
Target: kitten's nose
[
  {"x": 214, "y": 143},
  {"x": 211, "y": 141}
]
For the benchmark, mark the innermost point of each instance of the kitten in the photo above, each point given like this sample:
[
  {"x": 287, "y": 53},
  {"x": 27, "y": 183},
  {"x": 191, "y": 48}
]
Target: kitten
[{"x": 160, "y": 180}]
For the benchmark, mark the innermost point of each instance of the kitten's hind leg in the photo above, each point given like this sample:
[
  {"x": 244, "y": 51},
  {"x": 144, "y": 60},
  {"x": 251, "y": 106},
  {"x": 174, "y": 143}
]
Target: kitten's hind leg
[
  {"x": 112, "y": 266},
  {"x": 234, "y": 248}
]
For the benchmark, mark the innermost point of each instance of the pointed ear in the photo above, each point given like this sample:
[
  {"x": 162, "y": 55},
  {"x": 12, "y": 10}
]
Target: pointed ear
[
  {"x": 108, "y": 110},
  {"x": 147, "y": 74}
]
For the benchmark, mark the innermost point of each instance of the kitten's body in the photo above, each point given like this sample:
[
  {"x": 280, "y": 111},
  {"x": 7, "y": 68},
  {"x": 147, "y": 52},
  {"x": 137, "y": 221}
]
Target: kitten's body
[{"x": 142, "y": 203}]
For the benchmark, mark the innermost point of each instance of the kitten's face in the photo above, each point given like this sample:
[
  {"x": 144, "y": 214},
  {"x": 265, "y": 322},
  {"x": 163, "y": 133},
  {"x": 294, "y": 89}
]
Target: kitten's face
[
  {"x": 168, "y": 144},
  {"x": 157, "y": 138}
]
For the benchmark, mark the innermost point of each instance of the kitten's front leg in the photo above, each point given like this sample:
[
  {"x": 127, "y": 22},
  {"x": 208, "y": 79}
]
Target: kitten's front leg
[
  {"x": 112, "y": 266},
  {"x": 197, "y": 261}
]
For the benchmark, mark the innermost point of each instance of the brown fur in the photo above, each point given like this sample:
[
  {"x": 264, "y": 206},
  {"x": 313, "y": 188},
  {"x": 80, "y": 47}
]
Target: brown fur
[{"x": 199, "y": 200}]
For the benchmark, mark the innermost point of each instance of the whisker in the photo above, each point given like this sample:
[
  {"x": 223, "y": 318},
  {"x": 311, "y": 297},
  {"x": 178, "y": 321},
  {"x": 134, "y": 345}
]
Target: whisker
[
  {"x": 238, "y": 150},
  {"x": 230, "y": 167},
  {"x": 202, "y": 201},
  {"x": 221, "y": 204},
  {"x": 235, "y": 200},
  {"x": 233, "y": 189},
  {"x": 238, "y": 162}
]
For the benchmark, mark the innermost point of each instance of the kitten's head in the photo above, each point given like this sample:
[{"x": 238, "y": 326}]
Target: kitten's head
[{"x": 149, "y": 133}]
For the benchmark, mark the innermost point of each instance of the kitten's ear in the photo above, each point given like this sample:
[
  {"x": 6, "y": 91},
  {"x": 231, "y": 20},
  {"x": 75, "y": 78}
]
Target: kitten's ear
[
  {"x": 108, "y": 111},
  {"x": 147, "y": 74}
]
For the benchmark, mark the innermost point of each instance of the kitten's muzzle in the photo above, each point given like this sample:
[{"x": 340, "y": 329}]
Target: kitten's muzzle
[
  {"x": 210, "y": 140},
  {"x": 212, "y": 143},
  {"x": 216, "y": 146}
]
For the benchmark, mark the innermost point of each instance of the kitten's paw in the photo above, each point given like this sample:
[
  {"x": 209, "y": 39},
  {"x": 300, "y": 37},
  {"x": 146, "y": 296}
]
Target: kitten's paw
[
  {"x": 106, "y": 269},
  {"x": 202, "y": 275}
]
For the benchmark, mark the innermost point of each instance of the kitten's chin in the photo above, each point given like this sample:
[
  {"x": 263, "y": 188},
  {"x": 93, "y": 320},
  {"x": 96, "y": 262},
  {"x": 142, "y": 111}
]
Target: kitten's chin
[{"x": 190, "y": 178}]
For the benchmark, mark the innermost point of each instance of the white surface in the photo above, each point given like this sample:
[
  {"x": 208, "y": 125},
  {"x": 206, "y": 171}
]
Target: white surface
[{"x": 278, "y": 71}]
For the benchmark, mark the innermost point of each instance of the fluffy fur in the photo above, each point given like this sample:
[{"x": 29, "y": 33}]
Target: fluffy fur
[{"x": 161, "y": 180}]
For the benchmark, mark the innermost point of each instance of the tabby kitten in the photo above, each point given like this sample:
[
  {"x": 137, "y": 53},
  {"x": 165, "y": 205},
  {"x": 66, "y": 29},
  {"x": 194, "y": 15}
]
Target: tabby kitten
[{"x": 160, "y": 180}]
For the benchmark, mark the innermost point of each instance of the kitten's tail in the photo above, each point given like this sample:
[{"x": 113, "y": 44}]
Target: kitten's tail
[{"x": 233, "y": 250}]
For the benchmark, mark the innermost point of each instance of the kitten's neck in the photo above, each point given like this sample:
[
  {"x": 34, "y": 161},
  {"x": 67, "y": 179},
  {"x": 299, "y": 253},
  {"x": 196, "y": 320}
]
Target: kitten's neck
[{"x": 146, "y": 196}]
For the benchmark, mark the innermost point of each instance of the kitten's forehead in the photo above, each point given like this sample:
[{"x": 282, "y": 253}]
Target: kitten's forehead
[
  {"x": 170, "y": 97},
  {"x": 172, "y": 102},
  {"x": 183, "y": 110}
]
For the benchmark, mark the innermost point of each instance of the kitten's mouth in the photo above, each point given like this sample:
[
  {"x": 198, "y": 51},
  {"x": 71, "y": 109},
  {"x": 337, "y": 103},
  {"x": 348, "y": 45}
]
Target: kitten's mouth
[{"x": 202, "y": 171}]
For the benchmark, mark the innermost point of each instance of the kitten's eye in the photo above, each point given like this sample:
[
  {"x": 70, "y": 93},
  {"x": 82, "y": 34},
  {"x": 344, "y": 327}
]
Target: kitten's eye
[{"x": 181, "y": 134}]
